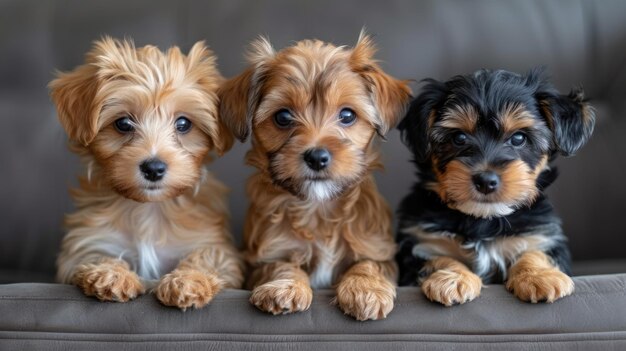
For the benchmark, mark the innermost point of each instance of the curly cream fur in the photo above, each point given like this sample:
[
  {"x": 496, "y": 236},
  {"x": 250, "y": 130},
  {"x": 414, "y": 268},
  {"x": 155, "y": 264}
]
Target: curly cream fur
[{"x": 126, "y": 231}]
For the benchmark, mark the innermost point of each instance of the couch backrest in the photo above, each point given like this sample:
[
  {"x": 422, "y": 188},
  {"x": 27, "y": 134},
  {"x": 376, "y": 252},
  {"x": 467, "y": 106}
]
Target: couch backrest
[{"x": 580, "y": 42}]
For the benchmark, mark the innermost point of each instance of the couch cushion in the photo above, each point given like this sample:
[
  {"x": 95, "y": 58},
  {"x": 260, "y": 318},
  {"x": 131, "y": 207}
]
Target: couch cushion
[{"x": 36, "y": 316}]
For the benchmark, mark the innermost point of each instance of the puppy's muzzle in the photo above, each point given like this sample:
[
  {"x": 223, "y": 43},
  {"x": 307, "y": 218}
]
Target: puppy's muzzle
[
  {"x": 486, "y": 182},
  {"x": 153, "y": 169},
  {"x": 317, "y": 159}
]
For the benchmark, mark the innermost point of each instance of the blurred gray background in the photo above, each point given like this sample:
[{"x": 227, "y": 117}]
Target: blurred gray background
[{"x": 581, "y": 42}]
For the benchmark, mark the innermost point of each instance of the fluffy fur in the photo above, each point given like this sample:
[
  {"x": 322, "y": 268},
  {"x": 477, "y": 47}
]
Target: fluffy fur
[
  {"x": 315, "y": 229},
  {"x": 127, "y": 230},
  {"x": 452, "y": 234}
]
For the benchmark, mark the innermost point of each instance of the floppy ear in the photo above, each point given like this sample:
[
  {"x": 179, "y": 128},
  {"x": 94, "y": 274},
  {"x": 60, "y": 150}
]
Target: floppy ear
[
  {"x": 223, "y": 139},
  {"x": 234, "y": 104},
  {"x": 570, "y": 118},
  {"x": 74, "y": 94},
  {"x": 390, "y": 95},
  {"x": 240, "y": 96},
  {"x": 202, "y": 68},
  {"x": 418, "y": 120}
]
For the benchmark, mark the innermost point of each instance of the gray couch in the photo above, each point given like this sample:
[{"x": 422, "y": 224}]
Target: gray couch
[
  {"x": 58, "y": 317},
  {"x": 581, "y": 42}
]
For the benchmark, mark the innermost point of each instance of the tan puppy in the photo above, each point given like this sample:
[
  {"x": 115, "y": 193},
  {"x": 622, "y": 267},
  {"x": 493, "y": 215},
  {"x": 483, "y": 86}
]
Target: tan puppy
[
  {"x": 143, "y": 122},
  {"x": 316, "y": 218}
]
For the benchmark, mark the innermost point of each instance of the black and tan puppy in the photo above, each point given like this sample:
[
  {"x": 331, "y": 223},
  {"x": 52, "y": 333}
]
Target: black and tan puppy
[{"x": 482, "y": 145}]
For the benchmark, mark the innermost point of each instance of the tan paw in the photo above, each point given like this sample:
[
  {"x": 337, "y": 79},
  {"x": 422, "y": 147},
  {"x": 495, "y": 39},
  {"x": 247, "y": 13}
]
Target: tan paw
[
  {"x": 282, "y": 296},
  {"x": 450, "y": 287},
  {"x": 540, "y": 285},
  {"x": 109, "y": 281},
  {"x": 184, "y": 288},
  {"x": 366, "y": 297}
]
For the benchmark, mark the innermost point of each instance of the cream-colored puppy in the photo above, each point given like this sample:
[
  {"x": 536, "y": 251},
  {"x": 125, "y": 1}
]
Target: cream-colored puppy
[{"x": 144, "y": 121}]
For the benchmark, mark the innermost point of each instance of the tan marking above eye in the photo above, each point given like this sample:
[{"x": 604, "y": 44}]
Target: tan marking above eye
[
  {"x": 515, "y": 117},
  {"x": 459, "y": 117}
]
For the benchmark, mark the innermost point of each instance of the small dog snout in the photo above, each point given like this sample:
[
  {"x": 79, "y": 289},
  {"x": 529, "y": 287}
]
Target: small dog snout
[
  {"x": 317, "y": 159},
  {"x": 486, "y": 182},
  {"x": 153, "y": 169}
]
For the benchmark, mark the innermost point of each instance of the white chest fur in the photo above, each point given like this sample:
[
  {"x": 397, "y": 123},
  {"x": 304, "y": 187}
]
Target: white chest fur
[
  {"x": 152, "y": 237},
  {"x": 483, "y": 257},
  {"x": 149, "y": 248},
  {"x": 325, "y": 264}
]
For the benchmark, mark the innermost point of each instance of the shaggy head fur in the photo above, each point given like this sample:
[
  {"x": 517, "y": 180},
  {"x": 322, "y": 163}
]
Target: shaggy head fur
[
  {"x": 313, "y": 96},
  {"x": 126, "y": 106}
]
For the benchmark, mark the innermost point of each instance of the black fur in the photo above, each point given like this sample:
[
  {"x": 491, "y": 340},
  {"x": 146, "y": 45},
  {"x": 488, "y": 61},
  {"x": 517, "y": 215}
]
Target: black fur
[{"x": 563, "y": 125}]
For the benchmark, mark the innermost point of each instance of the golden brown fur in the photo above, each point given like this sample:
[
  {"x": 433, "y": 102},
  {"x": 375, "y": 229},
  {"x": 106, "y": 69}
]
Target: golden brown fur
[
  {"x": 127, "y": 230},
  {"x": 108, "y": 279},
  {"x": 300, "y": 231},
  {"x": 518, "y": 183},
  {"x": 534, "y": 278},
  {"x": 450, "y": 282},
  {"x": 460, "y": 117},
  {"x": 515, "y": 117}
]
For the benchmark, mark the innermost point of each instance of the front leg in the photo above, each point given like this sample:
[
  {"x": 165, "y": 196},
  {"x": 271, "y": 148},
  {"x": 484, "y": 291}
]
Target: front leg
[
  {"x": 534, "y": 278},
  {"x": 281, "y": 288},
  {"x": 108, "y": 279},
  {"x": 367, "y": 290},
  {"x": 449, "y": 282},
  {"x": 200, "y": 276}
]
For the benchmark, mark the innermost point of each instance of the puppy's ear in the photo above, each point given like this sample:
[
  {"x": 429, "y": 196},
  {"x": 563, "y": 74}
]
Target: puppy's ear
[
  {"x": 223, "y": 140},
  {"x": 241, "y": 95},
  {"x": 570, "y": 117},
  {"x": 390, "y": 95},
  {"x": 234, "y": 104},
  {"x": 201, "y": 67},
  {"x": 418, "y": 120},
  {"x": 74, "y": 94}
]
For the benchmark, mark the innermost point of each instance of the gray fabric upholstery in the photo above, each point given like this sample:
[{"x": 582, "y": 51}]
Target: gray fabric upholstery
[{"x": 59, "y": 317}]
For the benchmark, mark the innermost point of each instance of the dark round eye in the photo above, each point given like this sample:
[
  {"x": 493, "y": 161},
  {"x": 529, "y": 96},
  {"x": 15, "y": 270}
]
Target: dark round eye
[
  {"x": 182, "y": 124},
  {"x": 459, "y": 138},
  {"x": 518, "y": 139},
  {"x": 347, "y": 117},
  {"x": 283, "y": 118},
  {"x": 124, "y": 125}
]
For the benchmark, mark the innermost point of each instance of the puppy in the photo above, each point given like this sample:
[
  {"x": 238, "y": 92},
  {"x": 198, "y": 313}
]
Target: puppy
[
  {"x": 316, "y": 219},
  {"x": 143, "y": 121},
  {"x": 482, "y": 145}
]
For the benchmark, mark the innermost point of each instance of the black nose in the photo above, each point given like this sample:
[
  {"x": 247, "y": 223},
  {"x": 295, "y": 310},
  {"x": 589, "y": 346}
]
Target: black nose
[
  {"x": 317, "y": 159},
  {"x": 486, "y": 182},
  {"x": 153, "y": 169}
]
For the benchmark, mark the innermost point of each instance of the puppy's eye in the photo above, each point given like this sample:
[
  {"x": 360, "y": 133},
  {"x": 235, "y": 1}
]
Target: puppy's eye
[
  {"x": 347, "y": 117},
  {"x": 518, "y": 139},
  {"x": 124, "y": 125},
  {"x": 459, "y": 138},
  {"x": 182, "y": 124},
  {"x": 283, "y": 119}
]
